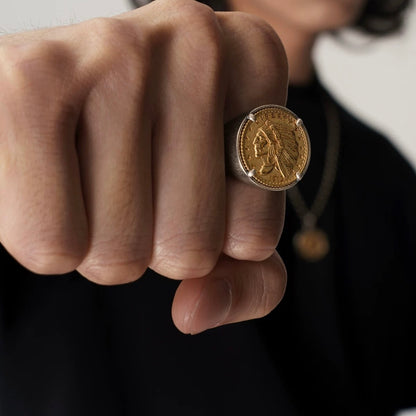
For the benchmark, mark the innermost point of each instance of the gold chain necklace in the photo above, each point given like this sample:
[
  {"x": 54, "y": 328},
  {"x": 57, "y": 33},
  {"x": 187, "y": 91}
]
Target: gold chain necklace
[{"x": 311, "y": 243}]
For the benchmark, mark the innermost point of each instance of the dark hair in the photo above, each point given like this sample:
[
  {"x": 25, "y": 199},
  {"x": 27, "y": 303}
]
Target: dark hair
[
  {"x": 379, "y": 17},
  {"x": 382, "y": 17}
]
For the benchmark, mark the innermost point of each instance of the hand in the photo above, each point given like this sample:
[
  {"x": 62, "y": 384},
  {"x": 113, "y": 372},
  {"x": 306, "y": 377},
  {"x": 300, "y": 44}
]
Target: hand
[{"x": 111, "y": 155}]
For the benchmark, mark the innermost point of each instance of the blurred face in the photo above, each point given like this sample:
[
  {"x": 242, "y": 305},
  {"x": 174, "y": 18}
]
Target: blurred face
[{"x": 311, "y": 16}]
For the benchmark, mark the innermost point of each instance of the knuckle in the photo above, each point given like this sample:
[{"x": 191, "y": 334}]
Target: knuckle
[
  {"x": 190, "y": 9},
  {"x": 105, "y": 30},
  {"x": 114, "y": 264},
  {"x": 197, "y": 25},
  {"x": 252, "y": 241},
  {"x": 24, "y": 66},
  {"x": 105, "y": 38},
  {"x": 199, "y": 16},
  {"x": 50, "y": 257},
  {"x": 185, "y": 255},
  {"x": 118, "y": 53},
  {"x": 109, "y": 273},
  {"x": 248, "y": 247},
  {"x": 111, "y": 35},
  {"x": 9, "y": 59}
]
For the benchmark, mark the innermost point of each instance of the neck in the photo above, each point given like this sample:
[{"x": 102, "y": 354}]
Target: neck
[{"x": 298, "y": 44}]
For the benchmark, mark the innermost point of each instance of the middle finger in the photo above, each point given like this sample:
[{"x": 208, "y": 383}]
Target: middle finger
[{"x": 188, "y": 158}]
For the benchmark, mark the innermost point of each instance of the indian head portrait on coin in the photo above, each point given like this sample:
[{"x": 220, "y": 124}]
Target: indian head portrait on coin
[{"x": 273, "y": 147}]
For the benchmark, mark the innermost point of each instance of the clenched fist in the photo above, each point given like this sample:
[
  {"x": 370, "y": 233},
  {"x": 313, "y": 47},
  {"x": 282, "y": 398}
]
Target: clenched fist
[{"x": 112, "y": 155}]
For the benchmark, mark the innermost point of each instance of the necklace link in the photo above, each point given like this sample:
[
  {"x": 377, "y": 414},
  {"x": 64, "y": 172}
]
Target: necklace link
[{"x": 311, "y": 243}]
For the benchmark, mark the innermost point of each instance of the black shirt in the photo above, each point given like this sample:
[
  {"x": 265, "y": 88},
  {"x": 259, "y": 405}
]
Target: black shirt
[{"x": 342, "y": 341}]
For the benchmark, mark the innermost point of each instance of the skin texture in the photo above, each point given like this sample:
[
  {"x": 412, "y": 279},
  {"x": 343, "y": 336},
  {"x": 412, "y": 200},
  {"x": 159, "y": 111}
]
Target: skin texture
[{"x": 111, "y": 155}]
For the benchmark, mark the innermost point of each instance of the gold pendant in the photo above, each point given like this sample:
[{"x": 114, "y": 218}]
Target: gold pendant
[{"x": 311, "y": 244}]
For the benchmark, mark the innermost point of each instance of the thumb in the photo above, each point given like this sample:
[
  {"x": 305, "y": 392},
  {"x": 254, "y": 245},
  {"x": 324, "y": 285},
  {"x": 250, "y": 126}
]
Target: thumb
[{"x": 234, "y": 291}]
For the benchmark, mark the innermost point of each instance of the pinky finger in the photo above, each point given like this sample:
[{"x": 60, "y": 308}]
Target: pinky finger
[{"x": 234, "y": 291}]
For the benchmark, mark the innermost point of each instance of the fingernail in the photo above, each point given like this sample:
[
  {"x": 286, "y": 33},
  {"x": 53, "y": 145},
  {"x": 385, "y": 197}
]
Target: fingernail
[{"x": 212, "y": 307}]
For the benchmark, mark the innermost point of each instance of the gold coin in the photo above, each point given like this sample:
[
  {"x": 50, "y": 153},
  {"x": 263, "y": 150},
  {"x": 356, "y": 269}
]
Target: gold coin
[{"x": 273, "y": 147}]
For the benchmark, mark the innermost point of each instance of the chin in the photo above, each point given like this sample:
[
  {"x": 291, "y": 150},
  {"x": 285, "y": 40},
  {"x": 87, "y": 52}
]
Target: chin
[
  {"x": 314, "y": 15},
  {"x": 325, "y": 15}
]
